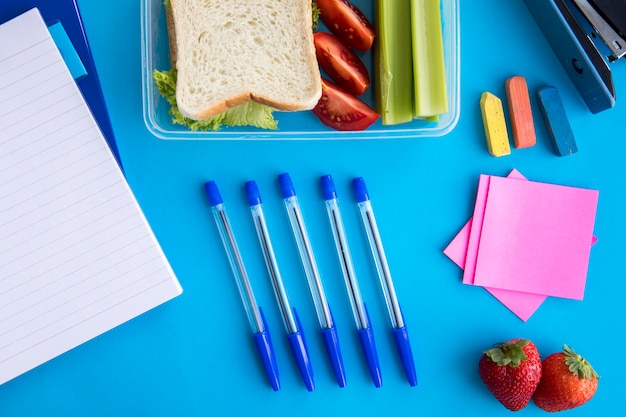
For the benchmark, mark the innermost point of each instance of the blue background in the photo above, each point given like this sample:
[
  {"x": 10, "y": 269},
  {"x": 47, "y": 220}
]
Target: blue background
[{"x": 194, "y": 357}]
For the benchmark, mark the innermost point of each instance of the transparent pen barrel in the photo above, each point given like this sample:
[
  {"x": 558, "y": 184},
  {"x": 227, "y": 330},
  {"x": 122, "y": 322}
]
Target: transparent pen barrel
[
  {"x": 308, "y": 261},
  {"x": 272, "y": 268},
  {"x": 382, "y": 268},
  {"x": 347, "y": 267},
  {"x": 238, "y": 268}
]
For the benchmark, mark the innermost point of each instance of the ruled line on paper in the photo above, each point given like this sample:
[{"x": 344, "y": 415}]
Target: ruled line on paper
[
  {"x": 60, "y": 198},
  {"x": 72, "y": 306},
  {"x": 81, "y": 322},
  {"x": 45, "y": 85},
  {"x": 32, "y": 123},
  {"x": 22, "y": 183},
  {"x": 11, "y": 58},
  {"x": 79, "y": 274},
  {"x": 40, "y": 52},
  {"x": 76, "y": 248}
]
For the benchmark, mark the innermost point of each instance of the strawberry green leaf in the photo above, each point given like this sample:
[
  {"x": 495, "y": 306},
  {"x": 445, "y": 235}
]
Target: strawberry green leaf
[
  {"x": 507, "y": 353},
  {"x": 579, "y": 365}
]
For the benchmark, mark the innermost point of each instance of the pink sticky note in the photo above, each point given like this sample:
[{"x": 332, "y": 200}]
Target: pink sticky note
[
  {"x": 475, "y": 229},
  {"x": 521, "y": 304},
  {"x": 457, "y": 248},
  {"x": 476, "y": 224},
  {"x": 535, "y": 238}
]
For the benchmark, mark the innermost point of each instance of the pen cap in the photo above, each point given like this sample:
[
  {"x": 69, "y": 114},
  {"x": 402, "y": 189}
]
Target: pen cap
[
  {"x": 252, "y": 191},
  {"x": 286, "y": 186},
  {"x": 297, "y": 342},
  {"x": 360, "y": 190},
  {"x": 328, "y": 187},
  {"x": 263, "y": 342},
  {"x": 331, "y": 341},
  {"x": 401, "y": 336},
  {"x": 213, "y": 193},
  {"x": 368, "y": 345}
]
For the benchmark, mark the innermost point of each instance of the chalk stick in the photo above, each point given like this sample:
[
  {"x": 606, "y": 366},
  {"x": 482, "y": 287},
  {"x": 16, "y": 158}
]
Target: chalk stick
[
  {"x": 556, "y": 121},
  {"x": 520, "y": 112},
  {"x": 495, "y": 125}
]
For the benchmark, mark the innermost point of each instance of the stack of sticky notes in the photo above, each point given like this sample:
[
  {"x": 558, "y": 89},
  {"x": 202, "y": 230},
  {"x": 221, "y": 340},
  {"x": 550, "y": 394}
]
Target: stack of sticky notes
[{"x": 526, "y": 241}]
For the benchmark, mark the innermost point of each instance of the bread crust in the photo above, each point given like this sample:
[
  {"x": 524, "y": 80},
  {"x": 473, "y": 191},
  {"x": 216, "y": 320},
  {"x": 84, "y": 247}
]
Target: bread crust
[
  {"x": 249, "y": 96},
  {"x": 310, "y": 78},
  {"x": 171, "y": 34}
]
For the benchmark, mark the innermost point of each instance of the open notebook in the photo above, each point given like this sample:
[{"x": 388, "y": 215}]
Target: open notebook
[{"x": 77, "y": 256}]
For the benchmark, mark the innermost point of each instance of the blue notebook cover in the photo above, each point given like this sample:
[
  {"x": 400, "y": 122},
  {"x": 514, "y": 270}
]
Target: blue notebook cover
[{"x": 67, "y": 12}]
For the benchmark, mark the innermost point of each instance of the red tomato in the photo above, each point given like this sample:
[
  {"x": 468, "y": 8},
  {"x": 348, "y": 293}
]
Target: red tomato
[
  {"x": 346, "y": 21},
  {"x": 341, "y": 110},
  {"x": 341, "y": 63}
]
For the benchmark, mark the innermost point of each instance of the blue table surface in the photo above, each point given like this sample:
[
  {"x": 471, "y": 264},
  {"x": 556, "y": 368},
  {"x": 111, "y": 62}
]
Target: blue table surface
[{"x": 194, "y": 356}]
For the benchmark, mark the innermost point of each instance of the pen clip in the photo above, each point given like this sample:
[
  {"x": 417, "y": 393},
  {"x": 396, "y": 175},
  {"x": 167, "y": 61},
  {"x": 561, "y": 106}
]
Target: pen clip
[
  {"x": 331, "y": 340},
  {"x": 401, "y": 336},
  {"x": 368, "y": 344},
  {"x": 300, "y": 353},
  {"x": 263, "y": 342}
]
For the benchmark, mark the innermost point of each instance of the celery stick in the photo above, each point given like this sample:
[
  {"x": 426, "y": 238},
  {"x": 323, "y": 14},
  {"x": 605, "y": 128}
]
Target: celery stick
[
  {"x": 393, "y": 61},
  {"x": 431, "y": 98}
]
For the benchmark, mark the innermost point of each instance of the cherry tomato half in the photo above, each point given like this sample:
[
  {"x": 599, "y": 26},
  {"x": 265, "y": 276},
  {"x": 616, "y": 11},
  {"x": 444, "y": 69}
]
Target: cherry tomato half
[
  {"x": 341, "y": 64},
  {"x": 341, "y": 110},
  {"x": 349, "y": 23}
]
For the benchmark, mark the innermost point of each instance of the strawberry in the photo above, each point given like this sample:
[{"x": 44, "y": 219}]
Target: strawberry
[
  {"x": 568, "y": 381},
  {"x": 511, "y": 371}
]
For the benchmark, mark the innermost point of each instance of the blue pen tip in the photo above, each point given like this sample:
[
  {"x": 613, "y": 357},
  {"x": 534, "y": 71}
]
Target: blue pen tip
[
  {"x": 297, "y": 342},
  {"x": 286, "y": 186},
  {"x": 328, "y": 187},
  {"x": 401, "y": 337},
  {"x": 368, "y": 345},
  {"x": 263, "y": 342},
  {"x": 252, "y": 191},
  {"x": 360, "y": 190},
  {"x": 331, "y": 340},
  {"x": 213, "y": 193}
]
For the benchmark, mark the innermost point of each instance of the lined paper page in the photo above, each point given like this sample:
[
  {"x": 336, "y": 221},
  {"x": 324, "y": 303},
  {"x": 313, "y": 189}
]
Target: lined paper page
[{"x": 77, "y": 256}]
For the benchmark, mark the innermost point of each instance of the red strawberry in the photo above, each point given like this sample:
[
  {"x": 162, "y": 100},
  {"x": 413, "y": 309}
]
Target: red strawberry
[
  {"x": 568, "y": 381},
  {"x": 511, "y": 371}
]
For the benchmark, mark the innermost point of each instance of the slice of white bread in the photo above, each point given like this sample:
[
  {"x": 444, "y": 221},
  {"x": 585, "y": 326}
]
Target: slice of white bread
[{"x": 229, "y": 52}]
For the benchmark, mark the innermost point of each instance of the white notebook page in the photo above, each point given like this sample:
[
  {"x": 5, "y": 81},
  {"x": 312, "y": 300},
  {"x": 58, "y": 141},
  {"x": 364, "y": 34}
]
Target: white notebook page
[{"x": 77, "y": 256}]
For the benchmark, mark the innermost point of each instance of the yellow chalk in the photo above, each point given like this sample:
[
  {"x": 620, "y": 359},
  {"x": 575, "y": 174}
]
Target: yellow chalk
[{"x": 495, "y": 125}]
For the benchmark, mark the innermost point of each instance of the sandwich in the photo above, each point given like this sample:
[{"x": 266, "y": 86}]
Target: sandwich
[{"x": 236, "y": 61}]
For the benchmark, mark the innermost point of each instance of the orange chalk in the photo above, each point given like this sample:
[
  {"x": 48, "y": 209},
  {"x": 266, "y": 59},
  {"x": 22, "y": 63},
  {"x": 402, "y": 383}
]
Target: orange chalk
[{"x": 520, "y": 112}]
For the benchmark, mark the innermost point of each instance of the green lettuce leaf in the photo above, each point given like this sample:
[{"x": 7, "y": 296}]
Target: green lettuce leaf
[
  {"x": 247, "y": 114},
  {"x": 316, "y": 15}
]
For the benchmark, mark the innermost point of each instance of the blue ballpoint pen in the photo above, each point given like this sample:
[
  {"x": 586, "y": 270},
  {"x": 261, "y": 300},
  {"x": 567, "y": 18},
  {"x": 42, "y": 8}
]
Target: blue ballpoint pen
[
  {"x": 324, "y": 315},
  {"x": 260, "y": 331},
  {"x": 295, "y": 334},
  {"x": 359, "y": 309},
  {"x": 400, "y": 333}
]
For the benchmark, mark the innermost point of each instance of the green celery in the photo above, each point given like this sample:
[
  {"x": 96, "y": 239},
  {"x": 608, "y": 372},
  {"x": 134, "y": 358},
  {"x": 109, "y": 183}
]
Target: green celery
[
  {"x": 393, "y": 61},
  {"x": 431, "y": 98}
]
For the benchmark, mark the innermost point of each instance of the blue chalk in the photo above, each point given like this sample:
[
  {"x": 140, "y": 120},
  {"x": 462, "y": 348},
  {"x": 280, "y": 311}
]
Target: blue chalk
[
  {"x": 68, "y": 52},
  {"x": 556, "y": 121}
]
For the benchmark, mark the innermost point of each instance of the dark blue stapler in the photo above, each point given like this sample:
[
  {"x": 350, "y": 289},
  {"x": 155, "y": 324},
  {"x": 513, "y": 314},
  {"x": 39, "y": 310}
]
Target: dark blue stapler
[{"x": 586, "y": 36}]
